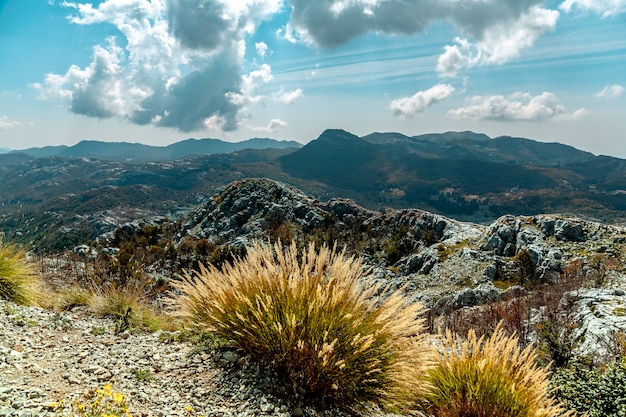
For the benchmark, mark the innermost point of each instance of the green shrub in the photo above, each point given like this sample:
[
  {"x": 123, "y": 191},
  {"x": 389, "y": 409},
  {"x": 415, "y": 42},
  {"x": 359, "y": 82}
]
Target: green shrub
[
  {"x": 312, "y": 317},
  {"x": 596, "y": 392},
  {"x": 484, "y": 377},
  {"x": 18, "y": 281}
]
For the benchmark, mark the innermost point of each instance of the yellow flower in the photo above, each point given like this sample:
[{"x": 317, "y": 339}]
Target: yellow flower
[
  {"x": 107, "y": 389},
  {"x": 118, "y": 398},
  {"x": 189, "y": 409}
]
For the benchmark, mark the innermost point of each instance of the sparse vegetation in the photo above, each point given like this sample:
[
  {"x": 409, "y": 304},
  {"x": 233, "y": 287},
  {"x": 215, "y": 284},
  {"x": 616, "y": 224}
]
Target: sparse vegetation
[{"x": 309, "y": 316}]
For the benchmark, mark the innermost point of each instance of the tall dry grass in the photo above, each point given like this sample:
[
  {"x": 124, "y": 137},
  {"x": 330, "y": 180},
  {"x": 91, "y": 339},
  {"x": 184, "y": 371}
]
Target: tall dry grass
[
  {"x": 19, "y": 282},
  {"x": 490, "y": 376},
  {"x": 311, "y": 315}
]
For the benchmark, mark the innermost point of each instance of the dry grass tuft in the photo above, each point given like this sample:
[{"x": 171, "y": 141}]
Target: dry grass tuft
[
  {"x": 310, "y": 315},
  {"x": 129, "y": 305},
  {"x": 492, "y": 376},
  {"x": 18, "y": 279}
]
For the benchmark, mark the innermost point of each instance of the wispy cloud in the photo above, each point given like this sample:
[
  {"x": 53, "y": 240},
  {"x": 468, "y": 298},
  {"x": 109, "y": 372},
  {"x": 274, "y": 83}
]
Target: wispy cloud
[
  {"x": 6, "y": 123},
  {"x": 611, "y": 91},
  {"x": 410, "y": 106},
  {"x": 519, "y": 106}
]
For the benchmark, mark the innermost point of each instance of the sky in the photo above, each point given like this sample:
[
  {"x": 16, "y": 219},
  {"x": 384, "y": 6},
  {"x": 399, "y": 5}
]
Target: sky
[{"x": 160, "y": 71}]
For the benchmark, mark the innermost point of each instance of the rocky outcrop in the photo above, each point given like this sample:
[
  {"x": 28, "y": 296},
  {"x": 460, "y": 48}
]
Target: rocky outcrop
[{"x": 446, "y": 264}]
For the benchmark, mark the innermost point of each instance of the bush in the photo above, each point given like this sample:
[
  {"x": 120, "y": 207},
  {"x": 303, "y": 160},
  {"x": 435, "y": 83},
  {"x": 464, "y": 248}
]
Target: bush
[
  {"x": 18, "y": 281},
  {"x": 596, "y": 392},
  {"x": 312, "y": 317},
  {"x": 483, "y": 377}
]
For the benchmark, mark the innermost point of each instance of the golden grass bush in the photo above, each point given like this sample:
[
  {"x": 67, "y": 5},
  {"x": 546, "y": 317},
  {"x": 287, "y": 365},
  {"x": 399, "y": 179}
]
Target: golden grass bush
[
  {"x": 488, "y": 377},
  {"x": 313, "y": 317},
  {"x": 130, "y": 306},
  {"x": 19, "y": 282}
]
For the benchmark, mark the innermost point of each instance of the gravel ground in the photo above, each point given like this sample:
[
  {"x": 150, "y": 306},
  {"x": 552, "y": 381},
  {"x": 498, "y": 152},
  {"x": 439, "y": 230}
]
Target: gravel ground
[{"x": 46, "y": 356}]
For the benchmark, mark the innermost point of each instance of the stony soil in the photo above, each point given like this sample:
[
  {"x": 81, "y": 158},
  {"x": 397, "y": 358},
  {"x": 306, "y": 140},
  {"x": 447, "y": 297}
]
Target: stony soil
[{"x": 46, "y": 356}]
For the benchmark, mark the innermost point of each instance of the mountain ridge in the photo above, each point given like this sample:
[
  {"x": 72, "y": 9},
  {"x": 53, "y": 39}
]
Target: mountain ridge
[
  {"x": 139, "y": 153},
  {"x": 55, "y": 202}
]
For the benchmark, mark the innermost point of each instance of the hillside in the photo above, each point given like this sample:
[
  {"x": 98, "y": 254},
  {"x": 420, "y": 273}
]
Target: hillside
[
  {"x": 526, "y": 272},
  {"x": 57, "y": 202}
]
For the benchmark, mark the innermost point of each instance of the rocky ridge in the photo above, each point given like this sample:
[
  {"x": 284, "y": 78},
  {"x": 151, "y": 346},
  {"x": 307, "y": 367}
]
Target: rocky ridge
[{"x": 445, "y": 263}]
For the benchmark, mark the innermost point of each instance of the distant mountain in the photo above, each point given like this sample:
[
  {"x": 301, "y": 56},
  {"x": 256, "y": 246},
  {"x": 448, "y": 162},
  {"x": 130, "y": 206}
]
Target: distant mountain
[
  {"x": 139, "y": 153},
  {"x": 480, "y": 147},
  {"x": 57, "y": 201}
]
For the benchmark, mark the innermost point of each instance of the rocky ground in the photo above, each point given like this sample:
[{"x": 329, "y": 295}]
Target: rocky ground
[{"x": 47, "y": 356}]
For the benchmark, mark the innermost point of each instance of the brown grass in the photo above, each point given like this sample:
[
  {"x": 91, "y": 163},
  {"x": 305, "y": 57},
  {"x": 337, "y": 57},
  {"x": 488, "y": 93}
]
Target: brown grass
[
  {"x": 311, "y": 316},
  {"x": 19, "y": 282},
  {"x": 485, "y": 377}
]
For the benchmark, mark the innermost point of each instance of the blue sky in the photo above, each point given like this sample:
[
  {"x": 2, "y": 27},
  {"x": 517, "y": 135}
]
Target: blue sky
[{"x": 159, "y": 71}]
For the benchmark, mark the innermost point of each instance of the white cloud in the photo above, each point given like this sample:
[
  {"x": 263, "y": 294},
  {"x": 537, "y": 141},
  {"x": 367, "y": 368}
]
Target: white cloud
[
  {"x": 498, "y": 43},
  {"x": 410, "y": 106},
  {"x": 576, "y": 115},
  {"x": 6, "y": 123},
  {"x": 272, "y": 126},
  {"x": 606, "y": 8},
  {"x": 180, "y": 65},
  {"x": 611, "y": 91},
  {"x": 287, "y": 97},
  {"x": 519, "y": 106},
  {"x": 261, "y": 49}
]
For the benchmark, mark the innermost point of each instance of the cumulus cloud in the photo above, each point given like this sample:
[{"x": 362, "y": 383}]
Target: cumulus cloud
[
  {"x": 410, "y": 106},
  {"x": 261, "y": 49},
  {"x": 519, "y": 106},
  {"x": 330, "y": 23},
  {"x": 271, "y": 127},
  {"x": 611, "y": 91},
  {"x": 498, "y": 43},
  {"x": 287, "y": 97},
  {"x": 606, "y": 8},
  {"x": 180, "y": 65},
  {"x": 575, "y": 115},
  {"x": 6, "y": 123}
]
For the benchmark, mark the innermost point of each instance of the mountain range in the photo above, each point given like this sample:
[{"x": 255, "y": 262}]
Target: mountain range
[
  {"x": 140, "y": 153},
  {"x": 57, "y": 197}
]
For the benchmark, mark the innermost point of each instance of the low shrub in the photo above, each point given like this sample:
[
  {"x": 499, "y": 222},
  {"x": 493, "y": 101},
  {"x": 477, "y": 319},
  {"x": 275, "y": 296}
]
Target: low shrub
[
  {"x": 483, "y": 377},
  {"x": 596, "y": 392},
  {"x": 330, "y": 333},
  {"x": 18, "y": 280}
]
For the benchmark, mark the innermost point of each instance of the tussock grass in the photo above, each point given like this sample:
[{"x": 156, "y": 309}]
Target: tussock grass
[
  {"x": 68, "y": 298},
  {"x": 492, "y": 376},
  {"x": 332, "y": 335},
  {"x": 18, "y": 280},
  {"x": 129, "y": 305}
]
